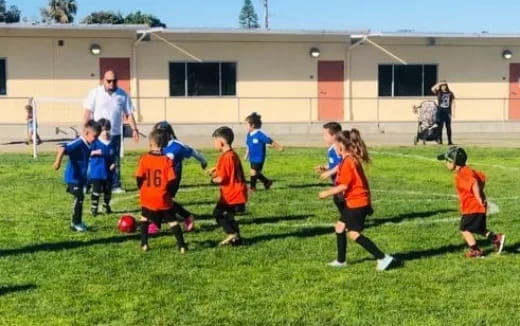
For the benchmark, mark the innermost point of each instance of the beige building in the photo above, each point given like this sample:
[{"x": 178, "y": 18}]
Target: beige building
[{"x": 220, "y": 76}]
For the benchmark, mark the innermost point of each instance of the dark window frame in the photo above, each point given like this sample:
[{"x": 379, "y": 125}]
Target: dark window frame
[
  {"x": 425, "y": 91},
  {"x": 5, "y": 75},
  {"x": 186, "y": 79}
]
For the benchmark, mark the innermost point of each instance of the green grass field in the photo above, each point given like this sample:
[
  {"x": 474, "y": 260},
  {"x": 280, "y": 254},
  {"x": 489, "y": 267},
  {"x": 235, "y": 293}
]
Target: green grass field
[{"x": 51, "y": 276}]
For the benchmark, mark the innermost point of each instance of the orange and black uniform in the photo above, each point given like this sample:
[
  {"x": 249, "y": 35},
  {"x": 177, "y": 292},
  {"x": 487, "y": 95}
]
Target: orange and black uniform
[
  {"x": 233, "y": 191},
  {"x": 357, "y": 194},
  {"x": 155, "y": 178},
  {"x": 357, "y": 207},
  {"x": 473, "y": 212}
]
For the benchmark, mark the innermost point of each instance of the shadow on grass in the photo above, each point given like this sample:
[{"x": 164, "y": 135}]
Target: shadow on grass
[
  {"x": 308, "y": 185},
  {"x": 408, "y": 216},
  {"x": 261, "y": 220},
  {"x": 16, "y": 288}
]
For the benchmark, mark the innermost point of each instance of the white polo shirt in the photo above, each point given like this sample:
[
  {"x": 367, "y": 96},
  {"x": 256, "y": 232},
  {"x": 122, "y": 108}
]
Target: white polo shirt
[{"x": 109, "y": 106}]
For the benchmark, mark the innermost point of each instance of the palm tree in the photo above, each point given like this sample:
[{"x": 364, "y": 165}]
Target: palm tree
[{"x": 59, "y": 11}]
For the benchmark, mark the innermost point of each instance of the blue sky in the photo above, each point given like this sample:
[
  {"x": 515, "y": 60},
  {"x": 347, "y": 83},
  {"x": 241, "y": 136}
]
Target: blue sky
[{"x": 377, "y": 15}]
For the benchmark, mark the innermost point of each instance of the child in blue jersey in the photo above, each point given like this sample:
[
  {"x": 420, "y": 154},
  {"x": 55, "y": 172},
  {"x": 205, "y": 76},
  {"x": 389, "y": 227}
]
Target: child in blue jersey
[
  {"x": 76, "y": 170},
  {"x": 178, "y": 152},
  {"x": 101, "y": 169},
  {"x": 330, "y": 130},
  {"x": 257, "y": 142}
]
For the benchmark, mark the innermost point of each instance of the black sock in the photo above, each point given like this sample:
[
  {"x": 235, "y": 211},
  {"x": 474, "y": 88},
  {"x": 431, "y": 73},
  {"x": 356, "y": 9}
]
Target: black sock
[
  {"x": 177, "y": 233},
  {"x": 369, "y": 246},
  {"x": 262, "y": 178},
  {"x": 341, "y": 241},
  {"x": 234, "y": 224},
  {"x": 179, "y": 209},
  {"x": 144, "y": 233},
  {"x": 95, "y": 201},
  {"x": 491, "y": 236},
  {"x": 77, "y": 214},
  {"x": 226, "y": 224},
  {"x": 253, "y": 181}
]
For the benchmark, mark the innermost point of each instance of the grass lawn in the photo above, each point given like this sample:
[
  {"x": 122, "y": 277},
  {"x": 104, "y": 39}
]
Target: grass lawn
[{"x": 51, "y": 276}]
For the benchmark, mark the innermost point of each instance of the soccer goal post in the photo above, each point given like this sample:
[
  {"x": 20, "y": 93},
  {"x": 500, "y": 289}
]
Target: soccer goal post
[{"x": 65, "y": 115}]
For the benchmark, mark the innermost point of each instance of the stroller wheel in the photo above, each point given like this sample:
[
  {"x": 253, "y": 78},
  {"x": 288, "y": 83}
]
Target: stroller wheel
[{"x": 415, "y": 140}]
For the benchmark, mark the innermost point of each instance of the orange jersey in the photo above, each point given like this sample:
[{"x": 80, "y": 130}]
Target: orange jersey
[
  {"x": 233, "y": 188},
  {"x": 156, "y": 172},
  {"x": 465, "y": 178},
  {"x": 351, "y": 174}
]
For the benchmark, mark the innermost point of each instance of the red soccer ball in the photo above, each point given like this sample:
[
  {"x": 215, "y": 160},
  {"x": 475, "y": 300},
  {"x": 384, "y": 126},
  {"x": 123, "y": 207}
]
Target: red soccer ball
[{"x": 127, "y": 224}]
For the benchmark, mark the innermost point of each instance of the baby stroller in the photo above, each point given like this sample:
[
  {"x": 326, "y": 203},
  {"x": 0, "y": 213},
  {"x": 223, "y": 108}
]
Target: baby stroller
[{"x": 428, "y": 127}]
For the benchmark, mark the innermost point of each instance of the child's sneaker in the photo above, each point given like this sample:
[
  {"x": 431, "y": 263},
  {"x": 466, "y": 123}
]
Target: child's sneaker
[
  {"x": 498, "y": 242},
  {"x": 236, "y": 241},
  {"x": 118, "y": 190},
  {"x": 145, "y": 248},
  {"x": 268, "y": 184},
  {"x": 337, "y": 264},
  {"x": 189, "y": 224},
  {"x": 475, "y": 253},
  {"x": 252, "y": 189},
  {"x": 182, "y": 250},
  {"x": 383, "y": 264},
  {"x": 79, "y": 227},
  {"x": 153, "y": 229}
]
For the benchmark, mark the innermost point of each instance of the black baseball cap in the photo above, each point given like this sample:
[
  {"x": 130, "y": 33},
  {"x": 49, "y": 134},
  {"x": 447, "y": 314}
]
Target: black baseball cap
[{"x": 455, "y": 155}]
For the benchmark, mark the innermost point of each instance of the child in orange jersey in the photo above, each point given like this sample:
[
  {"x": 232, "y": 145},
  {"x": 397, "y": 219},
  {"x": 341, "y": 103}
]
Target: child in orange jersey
[
  {"x": 155, "y": 179},
  {"x": 229, "y": 175},
  {"x": 473, "y": 206},
  {"x": 352, "y": 182}
]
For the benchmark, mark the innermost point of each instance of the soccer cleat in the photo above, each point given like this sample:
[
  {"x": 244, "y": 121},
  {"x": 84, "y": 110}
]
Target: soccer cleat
[
  {"x": 153, "y": 229},
  {"x": 78, "y": 227},
  {"x": 498, "y": 242},
  {"x": 336, "y": 263},
  {"x": 383, "y": 264},
  {"x": 236, "y": 241},
  {"x": 474, "y": 253},
  {"x": 268, "y": 184},
  {"x": 145, "y": 248},
  {"x": 118, "y": 190},
  {"x": 182, "y": 250},
  {"x": 108, "y": 209},
  {"x": 189, "y": 224}
]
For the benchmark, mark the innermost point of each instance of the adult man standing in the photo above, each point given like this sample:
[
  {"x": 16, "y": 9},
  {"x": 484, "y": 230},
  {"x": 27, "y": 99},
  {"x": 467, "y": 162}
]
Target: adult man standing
[{"x": 112, "y": 103}]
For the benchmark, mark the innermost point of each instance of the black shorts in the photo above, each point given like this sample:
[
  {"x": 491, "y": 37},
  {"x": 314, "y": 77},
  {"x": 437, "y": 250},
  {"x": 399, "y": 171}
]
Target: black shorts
[
  {"x": 258, "y": 167},
  {"x": 354, "y": 218},
  {"x": 175, "y": 187},
  {"x": 339, "y": 201},
  {"x": 159, "y": 217},
  {"x": 474, "y": 223}
]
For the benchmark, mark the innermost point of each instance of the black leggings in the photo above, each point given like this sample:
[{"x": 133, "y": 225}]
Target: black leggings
[
  {"x": 444, "y": 117},
  {"x": 101, "y": 187},
  {"x": 225, "y": 216},
  {"x": 77, "y": 205}
]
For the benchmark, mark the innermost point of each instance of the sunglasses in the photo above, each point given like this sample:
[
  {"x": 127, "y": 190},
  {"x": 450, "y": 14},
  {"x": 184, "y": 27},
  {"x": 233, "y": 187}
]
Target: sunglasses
[{"x": 111, "y": 81}]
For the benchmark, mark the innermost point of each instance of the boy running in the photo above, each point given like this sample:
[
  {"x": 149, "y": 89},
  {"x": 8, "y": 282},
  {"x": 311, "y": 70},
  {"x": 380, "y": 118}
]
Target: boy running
[
  {"x": 229, "y": 175},
  {"x": 76, "y": 170},
  {"x": 257, "y": 142},
  {"x": 470, "y": 184}
]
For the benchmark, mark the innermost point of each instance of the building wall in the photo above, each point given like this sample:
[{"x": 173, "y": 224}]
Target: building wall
[{"x": 475, "y": 70}]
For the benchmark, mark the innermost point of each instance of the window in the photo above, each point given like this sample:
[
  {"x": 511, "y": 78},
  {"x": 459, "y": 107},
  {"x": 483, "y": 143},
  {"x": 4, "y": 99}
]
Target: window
[
  {"x": 3, "y": 78},
  {"x": 203, "y": 79},
  {"x": 406, "y": 80}
]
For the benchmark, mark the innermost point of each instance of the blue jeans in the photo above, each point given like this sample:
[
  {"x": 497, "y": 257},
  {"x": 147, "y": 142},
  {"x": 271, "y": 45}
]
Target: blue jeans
[{"x": 116, "y": 142}]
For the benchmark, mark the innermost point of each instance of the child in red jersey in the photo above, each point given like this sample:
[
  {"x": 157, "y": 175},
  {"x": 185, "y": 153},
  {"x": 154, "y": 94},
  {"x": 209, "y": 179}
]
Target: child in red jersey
[
  {"x": 473, "y": 206},
  {"x": 229, "y": 175}
]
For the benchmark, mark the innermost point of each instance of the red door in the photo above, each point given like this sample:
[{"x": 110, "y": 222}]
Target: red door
[
  {"x": 330, "y": 90},
  {"x": 121, "y": 66},
  {"x": 514, "y": 91}
]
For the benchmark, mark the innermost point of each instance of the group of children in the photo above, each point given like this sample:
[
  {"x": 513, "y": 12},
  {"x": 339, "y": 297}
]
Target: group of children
[{"x": 159, "y": 175}]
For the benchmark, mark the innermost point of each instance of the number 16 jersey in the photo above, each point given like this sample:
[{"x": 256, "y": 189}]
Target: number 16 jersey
[{"x": 155, "y": 171}]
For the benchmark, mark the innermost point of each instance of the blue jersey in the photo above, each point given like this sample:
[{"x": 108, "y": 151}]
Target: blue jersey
[
  {"x": 177, "y": 152},
  {"x": 77, "y": 166},
  {"x": 333, "y": 160},
  {"x": 99, "y": 168},
  {"x": 257, "y": 142}
]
